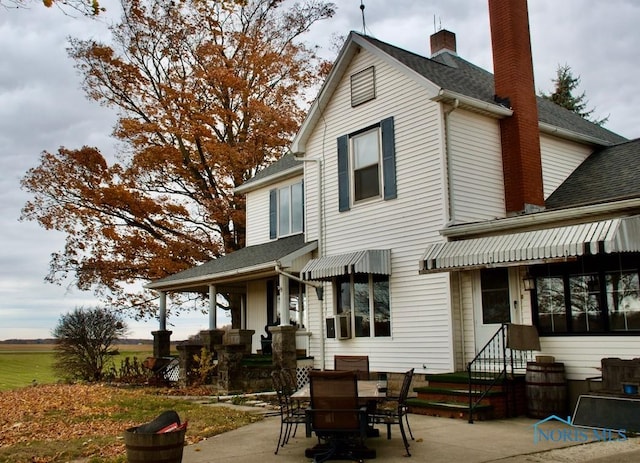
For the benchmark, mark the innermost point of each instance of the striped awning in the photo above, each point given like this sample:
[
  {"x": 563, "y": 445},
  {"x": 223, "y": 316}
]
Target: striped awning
[
  {"x": 367, "y": 261},
  {"x": 608, "y": 236}
]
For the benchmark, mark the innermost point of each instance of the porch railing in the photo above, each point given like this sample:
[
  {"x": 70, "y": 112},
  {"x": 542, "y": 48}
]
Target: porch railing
[{"x": 495, "y": 365}]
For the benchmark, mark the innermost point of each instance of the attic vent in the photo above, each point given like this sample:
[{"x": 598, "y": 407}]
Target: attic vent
[{"x": 363, "y": 86}]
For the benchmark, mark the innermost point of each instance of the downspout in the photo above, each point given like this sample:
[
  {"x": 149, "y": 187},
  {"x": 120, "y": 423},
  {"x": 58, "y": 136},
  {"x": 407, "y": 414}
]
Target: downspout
[
  {"x": 451, "y": 219},
  {"x": 320, "y": 226}
]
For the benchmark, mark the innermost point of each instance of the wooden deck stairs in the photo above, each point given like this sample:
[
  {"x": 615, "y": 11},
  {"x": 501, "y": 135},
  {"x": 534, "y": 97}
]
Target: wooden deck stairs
[{"x": 447, "y": 395}]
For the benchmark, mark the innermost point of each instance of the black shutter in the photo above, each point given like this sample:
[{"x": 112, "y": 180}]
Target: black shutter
[
  {"x": 343, "y": 173},
  {"x": 304, "y": 212},
  {"x": 273, "y": 214},
  {"x": 389, "y": 158}
]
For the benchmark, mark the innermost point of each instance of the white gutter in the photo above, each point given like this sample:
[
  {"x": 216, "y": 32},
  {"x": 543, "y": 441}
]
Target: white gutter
[
  {"x": 285, "y": 174},
  {"x": 571, "y": 135},
  {"x": 540, "y": 218},
  {"x": 206, "y": 279},
  {"x": 496, "y": 110}
]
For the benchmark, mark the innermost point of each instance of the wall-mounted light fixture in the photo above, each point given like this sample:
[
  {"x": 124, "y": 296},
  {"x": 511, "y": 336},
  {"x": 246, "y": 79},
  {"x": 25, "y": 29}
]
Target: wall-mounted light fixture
[{"x": 529, "y": 282}]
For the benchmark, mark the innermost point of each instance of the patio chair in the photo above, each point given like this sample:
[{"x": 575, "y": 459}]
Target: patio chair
[
  {"x": 398, "y": 414},
  {"x": 290, "y": 415},
  {"x": 357, "y": 363},
  {"x": 336, "y": 418}
]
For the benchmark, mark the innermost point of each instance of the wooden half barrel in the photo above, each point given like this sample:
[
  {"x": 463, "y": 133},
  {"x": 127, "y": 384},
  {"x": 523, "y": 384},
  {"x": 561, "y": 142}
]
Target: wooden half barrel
[
  {"x": 546, "y": 390},
  {"x": 158, "y": 448}
]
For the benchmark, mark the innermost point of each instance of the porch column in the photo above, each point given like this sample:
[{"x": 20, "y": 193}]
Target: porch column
[
  {"x": 162, "y": 316},
  {"x": 162, "y": 337},
  {"x": 283, "y": 286},
  {"x": 213, "y": 311}
]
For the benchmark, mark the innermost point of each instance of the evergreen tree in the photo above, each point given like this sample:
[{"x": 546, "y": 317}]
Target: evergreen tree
[{"x": 565, "y": 84}]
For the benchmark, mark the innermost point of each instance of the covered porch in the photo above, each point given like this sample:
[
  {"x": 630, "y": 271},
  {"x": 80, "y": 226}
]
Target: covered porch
[
  {"x": 576, "y": 281},
  {"x": 260, "y": 284}
]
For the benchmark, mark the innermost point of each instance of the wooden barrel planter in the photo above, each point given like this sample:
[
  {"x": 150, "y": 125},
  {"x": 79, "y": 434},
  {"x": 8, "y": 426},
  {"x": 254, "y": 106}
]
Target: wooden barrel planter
[
  {"x": 157, "y": 448},
  {"x": 546, "y": 390}
]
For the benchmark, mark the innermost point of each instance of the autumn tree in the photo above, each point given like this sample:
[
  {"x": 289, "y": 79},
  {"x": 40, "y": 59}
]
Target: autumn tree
[
  {"x": 563, "y": 95},
  {"x": 208, "y": 92},
  {"x": 84, "y": 342},
  {"x": 84, "y": 7}
]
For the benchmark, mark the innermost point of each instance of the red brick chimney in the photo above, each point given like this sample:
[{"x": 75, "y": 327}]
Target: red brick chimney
[
  {"x": 520, "y": 134},
  {"x": 442, "y": 41}
]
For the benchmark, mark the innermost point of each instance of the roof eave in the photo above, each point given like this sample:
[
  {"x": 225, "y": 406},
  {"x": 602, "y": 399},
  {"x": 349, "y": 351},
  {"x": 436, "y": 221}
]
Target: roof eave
[
  {"x": 576, "y": 214},
  {"x": 269, "y": 180},
  {"x": 350, "y": 48},
  {"x": 473, "y": 104},
  {"x": 174, "y": 285},
  {"x": 571, "y": 135}
]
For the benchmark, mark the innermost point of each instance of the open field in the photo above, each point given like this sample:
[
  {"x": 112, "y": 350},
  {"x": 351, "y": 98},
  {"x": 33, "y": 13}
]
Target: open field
[{"x": 25, "y": 364}]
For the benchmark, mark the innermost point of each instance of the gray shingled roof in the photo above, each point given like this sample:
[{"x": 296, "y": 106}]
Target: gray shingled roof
[
  {"x": 242, "y": 258},
  {"x": 283, "y": 164},
  {"x": 453, "y": 73},
  {"x": 609, "y": 174}
]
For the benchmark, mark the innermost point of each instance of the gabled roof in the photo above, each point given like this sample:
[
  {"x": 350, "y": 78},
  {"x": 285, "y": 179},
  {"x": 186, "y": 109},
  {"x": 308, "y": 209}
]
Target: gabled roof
[
  {"x": 444, "y": 74},
  {"x": 238, "y": 264},
  {"x": 609, "y": 174},
  {"x": 285, "y": 167}
]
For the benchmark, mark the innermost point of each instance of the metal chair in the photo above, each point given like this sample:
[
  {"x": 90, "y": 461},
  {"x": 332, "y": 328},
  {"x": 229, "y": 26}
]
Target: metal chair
[
  {"x": 399, "y": 414},
  {"x": 336, "y": 417},
  {"x": 357, "y": 363},
  {"x": 290, "y": 415}
]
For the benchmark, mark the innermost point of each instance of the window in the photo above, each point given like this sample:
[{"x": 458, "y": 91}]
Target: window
[
  {"x": 366, "y": 298},
  {"x": 495, "y": 296},
  {"x": 552, "y": 316},
  {"x": 623, "y": 300},
  {"x": 286, "y": 210},
  {"x": 592, "y": 296},
  {"x": 366, "y": 165}
]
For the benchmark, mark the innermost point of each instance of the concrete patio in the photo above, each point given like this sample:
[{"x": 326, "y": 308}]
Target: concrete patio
[{"x": 436, "y": 440}]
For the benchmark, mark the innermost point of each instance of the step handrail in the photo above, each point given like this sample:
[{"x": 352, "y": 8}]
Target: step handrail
[{"x": 491, "y": 366}]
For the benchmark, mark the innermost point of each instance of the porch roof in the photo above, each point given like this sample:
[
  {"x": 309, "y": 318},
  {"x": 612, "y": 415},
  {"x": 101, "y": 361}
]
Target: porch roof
[
  {"x": 366, "y": 261},
  {"x": 241, "y": 265},
  {"x": 551, "y": 244}
]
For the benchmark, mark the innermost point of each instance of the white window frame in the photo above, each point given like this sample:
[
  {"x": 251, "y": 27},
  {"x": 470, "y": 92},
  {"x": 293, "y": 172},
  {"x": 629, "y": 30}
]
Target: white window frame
[
  {"x": 353, "y": 164},
  {"x": 290, "y": 189}
]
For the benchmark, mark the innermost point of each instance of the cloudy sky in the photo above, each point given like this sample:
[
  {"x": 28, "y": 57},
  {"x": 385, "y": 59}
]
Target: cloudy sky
[{"x": 42, "y": 108}]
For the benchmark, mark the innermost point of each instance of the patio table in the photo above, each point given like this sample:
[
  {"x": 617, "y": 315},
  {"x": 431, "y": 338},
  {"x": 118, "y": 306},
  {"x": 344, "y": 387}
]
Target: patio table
[{"x": 368, "y": 390}]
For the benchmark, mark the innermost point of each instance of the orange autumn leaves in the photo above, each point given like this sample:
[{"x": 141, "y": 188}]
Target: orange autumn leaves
[
  {"x": 59, "y": 412},
  {"x": 207, "y": 94}
]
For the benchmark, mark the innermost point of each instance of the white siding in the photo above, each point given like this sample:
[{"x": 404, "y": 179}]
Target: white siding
[
  {"x": 258, "y": 212},
  {"x": 420, "y": 304},
  {"x": 477, "y": 187},
  {"x": 257, "y": 207},
  {"x": 559, "y": 159},
  {"x": 581, "y": 355},
  {"x": 256, "y": 310}
]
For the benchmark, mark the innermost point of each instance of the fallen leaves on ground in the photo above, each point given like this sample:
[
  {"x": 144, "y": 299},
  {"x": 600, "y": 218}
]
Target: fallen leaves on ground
[
  {"x": 68, "y": 412},
  {"x": 53, "y": 412}
]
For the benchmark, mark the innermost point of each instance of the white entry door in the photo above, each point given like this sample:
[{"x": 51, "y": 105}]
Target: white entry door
[{"x": 494, "y": 302}]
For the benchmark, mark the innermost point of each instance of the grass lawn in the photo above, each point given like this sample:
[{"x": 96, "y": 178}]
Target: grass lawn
[
  {"x": 25, "y": 364},
  {"x": 18, "y": 369}
]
